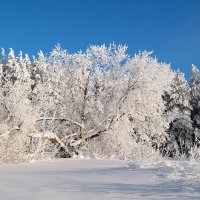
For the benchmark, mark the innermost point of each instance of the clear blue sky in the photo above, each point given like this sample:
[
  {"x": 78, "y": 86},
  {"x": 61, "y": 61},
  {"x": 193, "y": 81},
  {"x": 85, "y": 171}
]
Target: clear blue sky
[{"x": 169, "y": 27}]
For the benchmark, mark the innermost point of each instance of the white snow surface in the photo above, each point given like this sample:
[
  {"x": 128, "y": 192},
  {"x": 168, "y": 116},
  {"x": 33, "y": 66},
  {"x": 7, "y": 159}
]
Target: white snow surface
[{"x": 84, "y": 179}]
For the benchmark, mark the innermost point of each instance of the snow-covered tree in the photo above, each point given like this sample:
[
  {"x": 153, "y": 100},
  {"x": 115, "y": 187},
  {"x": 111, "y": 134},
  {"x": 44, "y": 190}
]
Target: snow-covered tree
[
  {"x": 181, "y": 137},
  {"x": 195, "y": 101},
  {"x": 179, "y": 97},
  {"x": 195, "y": 95},
  {"x": 146, "y": 106},
  {"x": 22, "y": 73},
  {"x": 3, "y": 62}
]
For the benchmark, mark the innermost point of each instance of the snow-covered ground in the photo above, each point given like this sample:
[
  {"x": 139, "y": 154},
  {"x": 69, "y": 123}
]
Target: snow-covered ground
[{"x": 83, "y": 179}]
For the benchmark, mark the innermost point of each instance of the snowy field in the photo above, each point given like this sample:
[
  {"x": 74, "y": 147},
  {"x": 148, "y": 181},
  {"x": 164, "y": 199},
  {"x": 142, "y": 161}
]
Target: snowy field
[{"x": 82, "y": 179}]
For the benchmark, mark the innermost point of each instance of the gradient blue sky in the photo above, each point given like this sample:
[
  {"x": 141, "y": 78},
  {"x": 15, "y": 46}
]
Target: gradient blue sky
[{"x": 171, "y": 28}]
